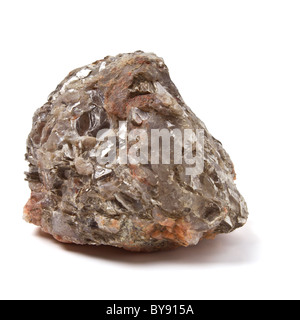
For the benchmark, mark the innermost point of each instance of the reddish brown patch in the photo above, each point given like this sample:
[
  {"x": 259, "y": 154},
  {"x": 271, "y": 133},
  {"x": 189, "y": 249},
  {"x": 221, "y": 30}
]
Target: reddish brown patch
[
  {"x": 184, "y": 232},
  {"x": 234, "y": 174},
  {"x": 157, "y": 234},
  {"x": 33, "y": 210},
  {"x": 116, "y": 98},
  {"x": 138, "y": 174},
  {"x": 142, "y": 60},
  {"x": 149, "y": 229},
  {"x": 210, "y": 235},
  {"x": 179, "y": 231},
  {"x": 169, "y": 235},
  {"x": 143, "y": 101}
]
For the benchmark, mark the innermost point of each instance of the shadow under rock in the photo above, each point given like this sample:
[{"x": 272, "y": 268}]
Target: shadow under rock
[{"x": 238, "y": 247}]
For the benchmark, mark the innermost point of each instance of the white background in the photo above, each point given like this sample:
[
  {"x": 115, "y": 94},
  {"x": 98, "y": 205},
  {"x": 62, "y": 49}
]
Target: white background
[{"x": 237, "y": 65}]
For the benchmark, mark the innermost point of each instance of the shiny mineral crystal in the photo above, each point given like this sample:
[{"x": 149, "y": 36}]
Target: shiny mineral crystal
[{"x": 138, "y": 207}]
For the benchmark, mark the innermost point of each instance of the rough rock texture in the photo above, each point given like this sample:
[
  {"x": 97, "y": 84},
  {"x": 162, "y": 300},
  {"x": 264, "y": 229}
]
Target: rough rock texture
[{"x": 136, "y": 207}]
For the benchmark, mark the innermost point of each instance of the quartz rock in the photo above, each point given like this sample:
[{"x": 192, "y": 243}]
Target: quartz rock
[{"x": 138, "y": 207}]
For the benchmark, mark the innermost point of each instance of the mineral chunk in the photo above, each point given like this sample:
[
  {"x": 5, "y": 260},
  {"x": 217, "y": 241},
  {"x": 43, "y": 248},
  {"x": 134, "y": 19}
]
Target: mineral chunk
[{"x": 88, "y": 187}]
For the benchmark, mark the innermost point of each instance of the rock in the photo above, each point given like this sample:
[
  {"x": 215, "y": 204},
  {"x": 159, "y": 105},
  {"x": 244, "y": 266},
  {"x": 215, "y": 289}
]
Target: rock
[{"x": 89, "y": 189}]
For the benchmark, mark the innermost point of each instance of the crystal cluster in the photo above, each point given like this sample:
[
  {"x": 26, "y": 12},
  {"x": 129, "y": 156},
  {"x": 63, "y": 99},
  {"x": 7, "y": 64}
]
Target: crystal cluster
[{"x": 139, "y": 207}]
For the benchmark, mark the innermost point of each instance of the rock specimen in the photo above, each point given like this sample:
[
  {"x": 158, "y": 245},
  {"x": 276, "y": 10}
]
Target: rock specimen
[{"x": 139, "y": 207}]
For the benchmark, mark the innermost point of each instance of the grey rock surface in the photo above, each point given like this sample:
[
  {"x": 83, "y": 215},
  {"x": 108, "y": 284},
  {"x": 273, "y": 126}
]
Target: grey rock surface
[{"x": 143, "y": 207}]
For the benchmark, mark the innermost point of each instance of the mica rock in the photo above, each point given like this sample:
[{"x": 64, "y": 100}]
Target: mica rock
[{"x": 142, "y": 207}]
